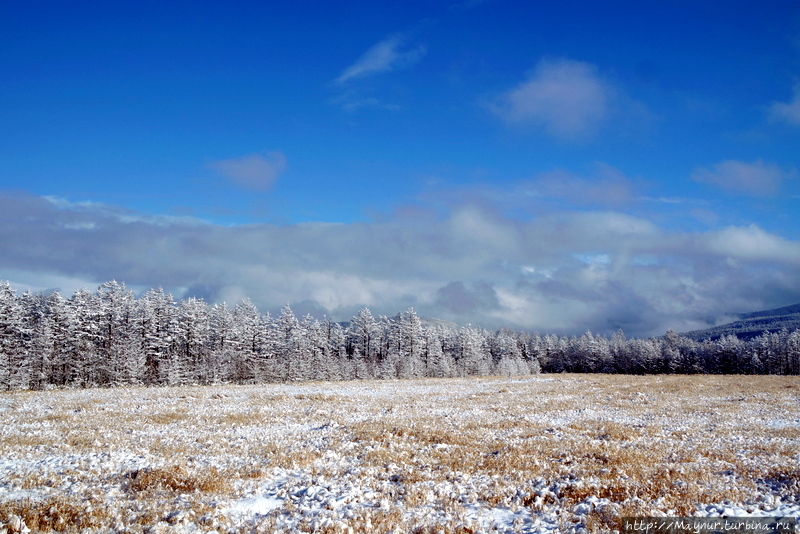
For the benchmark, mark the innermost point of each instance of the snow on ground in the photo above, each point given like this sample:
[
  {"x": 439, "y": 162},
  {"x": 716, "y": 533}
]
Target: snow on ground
[{"x": 542, "y": 454}]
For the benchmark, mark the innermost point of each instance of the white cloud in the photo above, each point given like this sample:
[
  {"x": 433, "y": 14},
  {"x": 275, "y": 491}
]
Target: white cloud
[
  {"x": 384, "y": 56},
  {"x": 256, "y": 171},
  {"x": 566, "y": 98},
  {"x": 756, "y": 178},
  {"x": 788, "y": 111},
  {"x": 751, "y": 243}
]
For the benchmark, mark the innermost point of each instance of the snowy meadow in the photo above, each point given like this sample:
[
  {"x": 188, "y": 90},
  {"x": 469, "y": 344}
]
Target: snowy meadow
[{"x": 543, "y": 453}]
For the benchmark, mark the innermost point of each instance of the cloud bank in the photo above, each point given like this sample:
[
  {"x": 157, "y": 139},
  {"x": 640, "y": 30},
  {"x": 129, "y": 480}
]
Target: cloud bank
[{"x": 562, "y": 271}]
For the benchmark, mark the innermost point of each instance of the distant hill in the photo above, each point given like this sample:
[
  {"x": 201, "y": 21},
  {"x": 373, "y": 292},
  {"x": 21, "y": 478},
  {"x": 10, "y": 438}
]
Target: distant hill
[
  {"x": 751, "y": 325},
  {"x": 777, "y": 312}
]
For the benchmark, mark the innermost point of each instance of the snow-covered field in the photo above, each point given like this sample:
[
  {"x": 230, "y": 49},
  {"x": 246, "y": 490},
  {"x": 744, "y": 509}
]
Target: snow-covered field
[{"x": 547, "y": 453}]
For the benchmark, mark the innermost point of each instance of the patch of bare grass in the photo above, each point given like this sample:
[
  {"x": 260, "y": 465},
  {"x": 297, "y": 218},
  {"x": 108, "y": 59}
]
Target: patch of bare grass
[
  {"x": 55, "y": 514},
  {"x": 176, "y": 478}
]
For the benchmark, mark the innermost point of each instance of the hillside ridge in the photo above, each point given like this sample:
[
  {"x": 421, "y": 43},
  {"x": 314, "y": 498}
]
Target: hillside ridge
[{"x": 751, "y": 325}]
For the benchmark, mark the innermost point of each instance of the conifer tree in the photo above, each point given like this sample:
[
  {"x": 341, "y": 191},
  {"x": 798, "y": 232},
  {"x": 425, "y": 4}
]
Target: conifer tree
[{"x": 11, "y": 349}]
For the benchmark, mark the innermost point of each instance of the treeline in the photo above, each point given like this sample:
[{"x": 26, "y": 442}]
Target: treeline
[{"x": 111, "y": 337}]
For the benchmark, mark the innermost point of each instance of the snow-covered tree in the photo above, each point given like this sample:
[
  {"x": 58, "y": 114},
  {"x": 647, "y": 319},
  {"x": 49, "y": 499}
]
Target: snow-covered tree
[
  {"x": 224, "y": 345},
  {"x": 62, "y": 328},
  {"x": 323, "y": 366},
  {"x": 506, "y": 354},
  {"x": 189, "y": 362},
  {"x": 37, "y": 342},
  {"x": 474, "y": 359},
  {"x": 363, "y": 336},
  {"x": 269, "y": 365},
  {"x": 83, "y": 358},
  {"x": 337, "y": 348},
  {"x": 646, "y": 356},
  {"x": 437, "y": 363},
  {"x": 11, "y": 346},
  {"x": 293, "y": 347},
  {"x": 728, "y": 355},
  {"x": 411, "y": 344},
  {"x": 553, "y": 354},
  {"x": 155, "y": 327},
  {"x": 114, "y": 328},
  {"x": 249, "y": 333}
]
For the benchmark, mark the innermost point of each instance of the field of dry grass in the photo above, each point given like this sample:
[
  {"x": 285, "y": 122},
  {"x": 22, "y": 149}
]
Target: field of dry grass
[{"x": 548, "y": 453}]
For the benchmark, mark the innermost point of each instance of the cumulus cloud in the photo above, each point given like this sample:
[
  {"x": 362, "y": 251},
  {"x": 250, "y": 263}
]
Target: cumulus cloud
[
  {"x": 565, "y": 272},
  {"x": 788, "y": 111},
  {"x": 385, "y": 56},
  {"x": 256, "y": 171},
  {"x": 756, "y": 178},
  {"x": 568, "y": 99}
]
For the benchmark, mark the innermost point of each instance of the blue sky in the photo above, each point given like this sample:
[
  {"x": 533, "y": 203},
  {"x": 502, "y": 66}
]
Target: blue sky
[{"x": 552, "y": 166}]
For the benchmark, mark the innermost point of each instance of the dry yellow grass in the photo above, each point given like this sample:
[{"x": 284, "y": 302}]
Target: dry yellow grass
[{"x": 140, "y": 459}]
